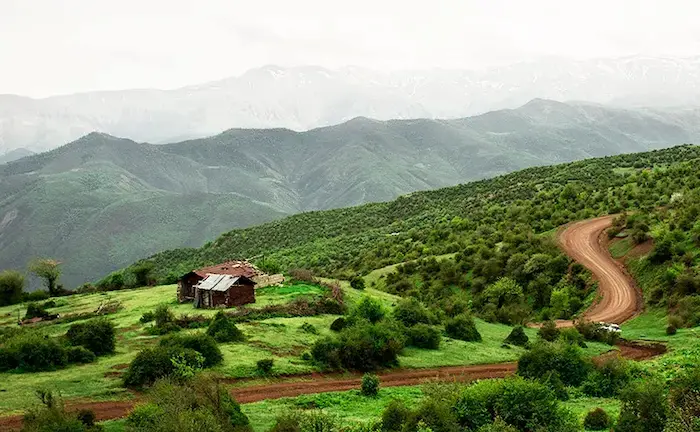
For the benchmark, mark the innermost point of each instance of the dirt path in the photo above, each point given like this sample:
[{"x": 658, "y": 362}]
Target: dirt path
[{"x": 620, "y": 300}]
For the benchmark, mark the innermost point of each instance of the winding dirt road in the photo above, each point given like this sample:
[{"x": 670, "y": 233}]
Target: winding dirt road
[{"x": 619, "y": 301}]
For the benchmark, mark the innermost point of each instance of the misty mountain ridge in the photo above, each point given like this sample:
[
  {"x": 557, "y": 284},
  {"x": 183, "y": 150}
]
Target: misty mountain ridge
[
  {"x": 307, "y": 97},
  {"x": 101, "y": 202}
]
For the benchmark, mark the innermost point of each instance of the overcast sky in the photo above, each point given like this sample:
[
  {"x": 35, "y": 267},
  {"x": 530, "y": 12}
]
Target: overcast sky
[{"x": 63, "y": 46}]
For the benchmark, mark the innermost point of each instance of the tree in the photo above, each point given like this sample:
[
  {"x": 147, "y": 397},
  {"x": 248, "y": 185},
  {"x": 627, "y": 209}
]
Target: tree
[
  {"x": 644, "y": 408},
  {"x": 49, "y": 270},
  {"x": 503, "y": 292},
  {"x": 11, "y": 285}
]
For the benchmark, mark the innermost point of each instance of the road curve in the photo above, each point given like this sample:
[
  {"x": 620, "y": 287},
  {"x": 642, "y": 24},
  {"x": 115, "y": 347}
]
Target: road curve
[
  {"x": 619, "y": 301},
  {"x": 619, "y": 297}
]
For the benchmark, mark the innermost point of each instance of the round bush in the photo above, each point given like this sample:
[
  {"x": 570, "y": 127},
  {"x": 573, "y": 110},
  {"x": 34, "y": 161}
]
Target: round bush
[
  {"x": 80, "y": 355},
  {"x": 202, "y": 343},
  {"x": 326, "y": 351},
  {"x": 357, "y": 282},
  {"x": 462, "y": 327},
  {"x": 34, "y": 352},
  {"x": 424, "y": 336},
  {"x": 339, "y": 324},
  {"x": 671, "y": 330},
  {"x": 96, "y": 335},
  {"x": 370, "y": 385},
  {"x": 597, "y": 419},
  {"x": 394, "y": 416},
  {"x": 567, "y": 360},
  {"x": 223, "y": 329},
  {"x": 410, "y": 312},
  {"x": 265, "y": 366},
  {"x": 517, "y": 337},
  {"x": 368, "y": 347},
  {"x": 153, "y": 363},
  {"x": 548, "y": 331},
  {"x": 368, "y": 309}
]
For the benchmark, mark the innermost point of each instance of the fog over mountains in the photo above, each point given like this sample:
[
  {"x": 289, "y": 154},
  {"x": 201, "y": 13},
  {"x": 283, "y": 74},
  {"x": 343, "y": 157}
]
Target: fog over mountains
[
  {"x": 301, "y": 98},
  {"x": 101, "y": 202}
]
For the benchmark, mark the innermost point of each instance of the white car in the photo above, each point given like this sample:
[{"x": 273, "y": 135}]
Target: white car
[{"x": 610, "y": 327}]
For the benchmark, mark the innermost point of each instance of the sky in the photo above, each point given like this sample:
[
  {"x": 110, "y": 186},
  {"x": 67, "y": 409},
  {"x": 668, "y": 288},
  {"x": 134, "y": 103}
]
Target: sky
[{"x": 51, "y": 47}]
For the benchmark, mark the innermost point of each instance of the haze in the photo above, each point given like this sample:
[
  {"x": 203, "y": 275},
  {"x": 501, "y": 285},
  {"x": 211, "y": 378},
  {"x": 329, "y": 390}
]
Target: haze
[{"x": 51, "y": 47}]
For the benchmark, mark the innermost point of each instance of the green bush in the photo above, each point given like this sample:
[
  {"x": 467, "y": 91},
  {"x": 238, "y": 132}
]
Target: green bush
[
  {"x": 368, "y": 308},
  {"x": 35, "y": 310},
  {"x": 154, "y": 363},
  {"x": 497, "y": 426},
  {"x": 288, "y": 421},
  {"x": 462, "y": 327},
  {"x": 370, "y": 385},
  {"x": 517, "y": 337},
  {"x": 367, "y": 347},
  {"x": 357, "y": 282},
  {"x": 11, "y": 286},
  {"x": 609, "y": 378},
  {"x": 97, "y": 335},
  {"x": 309, "y": 328},
  {"x": 553, "y": 382},
  {"x": 671, "y": 330},
  {"x": 202, "y": 343},
  {"x": 644, "y": 408},
  {"x": 32, "y": 352},
  {"x": 147, "y": 317},
  {"x": 434, "y": 416},
  {"x": 567, "y": 360},
  {"x": 223, "y": 329},
  {"x": 475, "y": 405},
  {"x": 597, "y": 419},
  {"x": 411, "y": 311},
  {"x": 338, "y": 324},
  {"x": 80, "y": 355},
  {"x": 163, "y": 315},
  {"x": 51, "y": 416},
  {"x": 265, "y": 366},
  {"x": 395, "y": 415},
  {"x": 326, "y": 351},
  {"x": 548, "y": 331},
  {"x": 423, "y": 336}
]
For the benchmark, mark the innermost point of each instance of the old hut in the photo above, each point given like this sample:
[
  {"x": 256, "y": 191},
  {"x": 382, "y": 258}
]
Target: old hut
[
  {"x": 224, "y": 290},
  {"x": 185, "y": 285}
]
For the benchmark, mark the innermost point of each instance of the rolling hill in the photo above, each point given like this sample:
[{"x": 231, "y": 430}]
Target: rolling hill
[{"x": 102, "y": 202}]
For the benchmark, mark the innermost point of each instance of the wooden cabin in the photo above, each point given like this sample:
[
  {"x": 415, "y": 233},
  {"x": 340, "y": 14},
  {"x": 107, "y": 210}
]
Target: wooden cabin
[
  {"x": 185, "y": 285},
  {"x": 217, "y": 290}
]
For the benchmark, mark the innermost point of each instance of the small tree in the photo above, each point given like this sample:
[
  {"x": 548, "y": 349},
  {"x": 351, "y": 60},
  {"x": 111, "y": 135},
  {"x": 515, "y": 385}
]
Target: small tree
[
  {"x": 11, "y": 285},
  {"x": 548, "y": 331},
  {"x": 142, "y": 273},
  {"x": 517, "y": 337},
  {"x": 357, "y": 283},
  {"x": 49, "y": 270},
  {"x": 597, "y": 419},
  {"x": 370, "y": 385},
  {"x": 644, "y": 408},
  {"x": 462, "y": 327}
]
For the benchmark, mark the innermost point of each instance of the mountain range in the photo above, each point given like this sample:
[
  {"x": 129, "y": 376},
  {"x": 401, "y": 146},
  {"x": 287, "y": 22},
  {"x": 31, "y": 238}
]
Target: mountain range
[
  {"x": 302, "y": 98},
  {"x": 101, "y": 202}
]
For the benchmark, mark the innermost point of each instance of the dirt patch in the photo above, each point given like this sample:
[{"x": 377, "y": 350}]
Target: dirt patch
[
  {"x": 120, "y": 366},
  {"x": 112, "y": 374}
]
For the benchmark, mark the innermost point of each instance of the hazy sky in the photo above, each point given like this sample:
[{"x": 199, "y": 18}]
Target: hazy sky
[{"x": 63, "y": 46}]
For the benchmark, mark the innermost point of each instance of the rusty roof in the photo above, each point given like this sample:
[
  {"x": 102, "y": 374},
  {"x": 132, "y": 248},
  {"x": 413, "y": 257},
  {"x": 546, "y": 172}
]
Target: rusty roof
[{"x": 231, "y": 268}]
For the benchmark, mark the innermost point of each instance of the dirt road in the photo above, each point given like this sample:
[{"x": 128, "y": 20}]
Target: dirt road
[{"x": 620, "y": 300}]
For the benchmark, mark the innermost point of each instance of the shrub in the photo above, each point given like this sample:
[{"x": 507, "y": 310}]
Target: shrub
[
  {"x": 97, "y": 335},
  {"x": 194, "y": 405},
  {"x": 326, "y": 351},
  {"x": 367, "y": 347},
  {"x": 32, "y": 351},
  {"x": 567, "y": 360},
  {"x": 338, "y": 324},
  {"x": 476, "y": 403},
  {"x": 166, "y": 328},
  {"x": 595, "y": 332},
  {"x": 410, "y": 312},
  {"x": 163, "y": 315},
  {"x": 35, "y": 310},
  {"x": 223, "y": 329},
  {"x": 423, "y": 336},
  {"x": 571, "y": 336},
  {"x": 497, "y": 426},
  {"x": 202, "y": 343},
  {"x": 433, "y": 416},
  {"x": 309, "y": 328},
  {"x": 527, "y": 405},
  {"x": 548, "y": 331},
  {"x": 517, "y": 337},
  {"x": 553, "y": 382},
  {"x": 644, "y": 408},
  {"x": 462, "y": 327},
  {"x": 52, "y": 416},
  {"x": 688, "y": 312},
  {"x": 357, "y": 282},
  {"x": 265, "y": 366},
  {"x": 147, "y": 317},
  {"x": 154, "y": 363},
  {"x": 370, "y": 385},
  {"x": 11, "y": 286},
  {"x": 394, "y": 416},
  {"x": 368, "y": 309},
  {"x": 608, "y": 379},
  {"x": 289, "y": 421},
  {"x": 80, "y": 355},
  {"x": 597, "y": 419}
]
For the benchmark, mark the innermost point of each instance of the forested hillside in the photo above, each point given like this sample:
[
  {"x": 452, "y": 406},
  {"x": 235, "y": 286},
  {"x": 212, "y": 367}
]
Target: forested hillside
[
  {"x": 110, "y": 201},
  {"x": 487, "y": 222}
]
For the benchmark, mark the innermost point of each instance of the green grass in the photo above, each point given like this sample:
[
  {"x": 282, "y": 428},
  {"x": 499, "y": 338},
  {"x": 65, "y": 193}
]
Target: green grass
[
  {"x": 621, "y": 247},
  {"x": 348, "y": 407}
]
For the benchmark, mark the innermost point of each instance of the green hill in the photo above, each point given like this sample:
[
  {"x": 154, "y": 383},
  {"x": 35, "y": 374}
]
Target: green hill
[{"x": 99, "y": 203}]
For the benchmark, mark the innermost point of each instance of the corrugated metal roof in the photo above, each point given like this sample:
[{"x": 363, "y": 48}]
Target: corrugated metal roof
[{"x": 218, "y": 282}]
